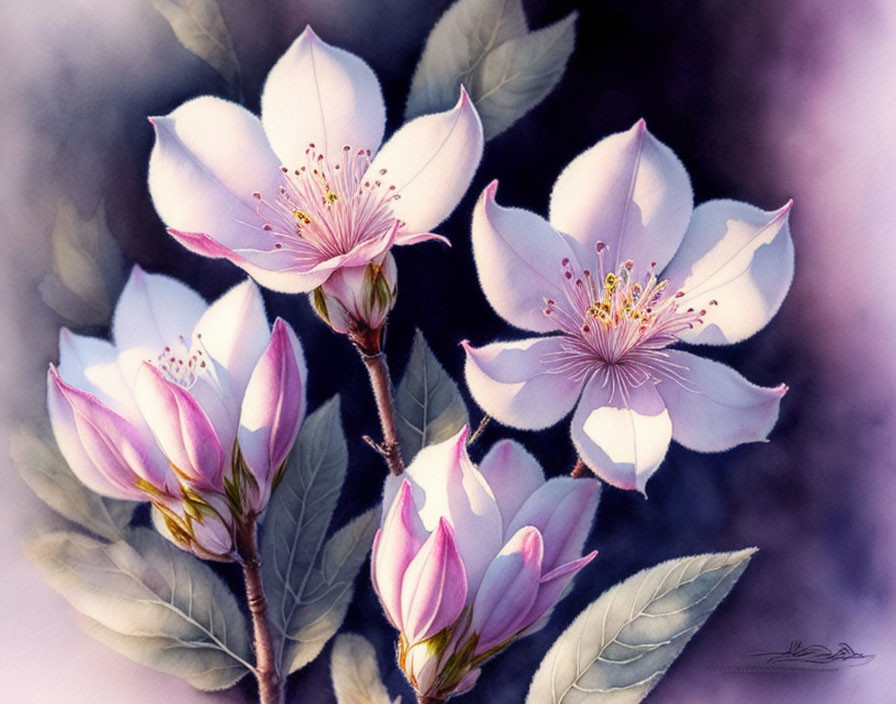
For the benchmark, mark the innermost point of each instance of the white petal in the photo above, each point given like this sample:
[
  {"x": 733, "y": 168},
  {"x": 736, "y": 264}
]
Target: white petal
[
  {"x": 519, "y": 258},
  {"x": 513, "y": 475},
  {"x": 235, "y": 332},
  {"x": 431, "y": 161},
  {"x": 210, "y": 156},
  {"x": 319, "y": 94},
  {"x": 512, "y": 382},
  {"x": 622, "y": 440},
  {"x": 739, "y": 256},
  {"x": 629, "y": 191},
  {"x": 719, "y": 408}
]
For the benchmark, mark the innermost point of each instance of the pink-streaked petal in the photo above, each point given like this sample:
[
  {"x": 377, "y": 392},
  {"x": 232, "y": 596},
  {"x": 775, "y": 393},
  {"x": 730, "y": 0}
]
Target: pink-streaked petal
[
  {"x": 519, "y": 257},
  {"x": 322, "y": 95},
  {"x": 563, "y": 510},
  {"x": 273, "y": 407},
  {"x": 408, "y": 238},
  {"x": 397, "y": 543},
  {"x": 513, "y": 382},
  {"x": 467, "y": 682},
  {"x": 508, "y": 589},
  {"x": 431, "y": 161},
  {"x": 513, "y": 475},
  {"x": 629, "y": 191},
  {"x": 182, "y": 429},
  {"x": 716, "y": 408},
  {"x": 210, "y": 156},
  {"x": 551, "y": 588},
  {"x": 234, "y": 331},
  {"x": 275, "y": 269},
  {"x": 736, "y": 263},
  {"x": 622, "y": 440},
  {"x": 103, "y": 449},
  {"x": 447, "y": 485},
  {"x": 434, "y": 589}
]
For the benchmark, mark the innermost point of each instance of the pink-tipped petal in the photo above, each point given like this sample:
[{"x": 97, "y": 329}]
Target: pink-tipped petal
[
  {"x": 551, "y": 588},
  {"x": 210, "y": 156},
  {"x": 508, "y": 589},
  {"x": 182, "y": 429},
  {"x": 322, "y": 95},
  {"x": 519, "y": 260},
  {"x": 397, "y": 543},
  {"x": 431, "y": 161},
  {"x": 409, "y": 238},
  {"x": 629, "y": 191},
  {"x": 273, "y": 407},
  {"x": 514, "y": 383},
  {"x": 513, "y": 475},
  {"x": 623, "y": 440},
  {"x": 434, "y": 589},
  {"x": 467, "y": 682},
  {"x": 562, "y": 510},
  {"x": 103, "y": 449},
  {"x": 736, "y": 263},
  {"x": 715, "y": 408}
]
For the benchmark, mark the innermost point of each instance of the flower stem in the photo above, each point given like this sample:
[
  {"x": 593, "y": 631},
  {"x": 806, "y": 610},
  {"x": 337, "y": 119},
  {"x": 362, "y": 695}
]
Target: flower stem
[
  {"x": 579, "y": 469},
  {"x": 422, "y": 699},
  {"x": 370, "y": 348},
  {"x": 270, "y": 688}
]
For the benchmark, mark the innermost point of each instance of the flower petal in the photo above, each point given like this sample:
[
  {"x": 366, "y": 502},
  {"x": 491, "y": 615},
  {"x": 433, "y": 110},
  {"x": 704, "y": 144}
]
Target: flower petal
[
  {"x": 563, "y": 511},
  {"x": 103, "y": 449},
  {"x": 322, "y": 95},
  {"x": 512, "y": 382},
  {"x": 519, "y": 260},
  {"x": 210, "y": 156},
  {"x": 182, "y": 429},
  {"x": 434, "y": 589},
  {"x": 273, "y": 407},
  {"x": 513, "y": 475},
  {"x": 396, "y": 544},
  {"x": 629, "y": 191},
  {"x": 431, "y": 161},
  {"x": 551, "y": 588},
  {"x": 508, "y": 589},
  {"x": 718, "y": 408},
  {"x": 622, "y": 440},
  {"x": 736, "y": 262}
]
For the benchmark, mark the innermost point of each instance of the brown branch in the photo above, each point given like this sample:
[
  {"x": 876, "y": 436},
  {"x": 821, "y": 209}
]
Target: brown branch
[{"x": 579, "y": 470}]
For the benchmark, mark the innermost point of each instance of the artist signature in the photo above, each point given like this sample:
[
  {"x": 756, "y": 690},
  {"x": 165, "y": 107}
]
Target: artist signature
[{"x": 798, "y": 653}]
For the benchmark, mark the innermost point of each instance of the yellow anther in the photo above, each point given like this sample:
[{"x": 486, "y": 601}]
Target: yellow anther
[
  {"x": 332, "y": 197},
  {"x": 610, "y": 282},
  {"x": 302, "y": 217}
]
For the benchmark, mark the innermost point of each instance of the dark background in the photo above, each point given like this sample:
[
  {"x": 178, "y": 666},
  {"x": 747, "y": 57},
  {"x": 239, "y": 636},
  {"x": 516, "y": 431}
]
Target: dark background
[{"x": 761, "y": 100}]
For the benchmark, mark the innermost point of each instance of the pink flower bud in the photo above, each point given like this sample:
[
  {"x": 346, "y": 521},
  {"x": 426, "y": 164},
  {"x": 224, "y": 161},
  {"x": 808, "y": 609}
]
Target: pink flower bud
[{"x": 358, "y": 298}]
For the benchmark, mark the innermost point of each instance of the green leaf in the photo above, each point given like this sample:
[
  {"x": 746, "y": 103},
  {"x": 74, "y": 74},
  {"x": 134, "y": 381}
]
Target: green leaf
[
  {"x": 428, "y": 403},
  {"x": 87, "y": 271},
  {"x": 619, "y": 647},
  {"x": 310, "y": 581},
  {"x": 486, "y": 46},
  {"x": 200, "y": 27},
  {"x": 152, "y": 602},
  {"x": 355, "y": 672},
  {"x": 44, "y": 470}
]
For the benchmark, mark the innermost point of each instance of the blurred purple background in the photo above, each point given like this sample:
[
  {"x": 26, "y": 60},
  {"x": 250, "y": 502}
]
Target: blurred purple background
[{"x": 762, "y": 101}]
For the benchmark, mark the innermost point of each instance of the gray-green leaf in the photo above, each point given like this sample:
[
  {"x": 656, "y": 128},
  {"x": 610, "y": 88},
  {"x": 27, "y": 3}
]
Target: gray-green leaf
[
  {"x": 619, "y": 647},
  {"x": 486, "y": 46},
  {"x": 310, "y": 581},
  {"x": 428, "y": 403},
  {"x": 200, "y": 27},
  {"x": 48, "y": 475},
  {"x": 355, "y": 672},
  {"x": 151, "y": 601},
  {"x": 87, "y": 271}
]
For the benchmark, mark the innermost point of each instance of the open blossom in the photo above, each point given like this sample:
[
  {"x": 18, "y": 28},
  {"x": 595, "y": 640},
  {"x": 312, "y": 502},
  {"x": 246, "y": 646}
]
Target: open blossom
[
  {"x": 469, "y": 559},
  {"x": 193, "y": 407},
  {"x": 625, "y": 269},
  {"x": 306, "y": 191}
]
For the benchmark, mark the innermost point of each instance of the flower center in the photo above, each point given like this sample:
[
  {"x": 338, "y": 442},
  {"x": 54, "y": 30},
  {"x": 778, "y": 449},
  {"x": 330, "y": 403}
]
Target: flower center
[
  {"x": 184, "y": 364},
  {"x": 617, "y": 323},
  {"x": 330, "y": 207}
]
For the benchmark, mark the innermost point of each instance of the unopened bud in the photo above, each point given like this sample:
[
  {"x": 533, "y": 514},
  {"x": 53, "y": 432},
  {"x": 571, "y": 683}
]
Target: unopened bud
[{"x": 358, "y": 298}]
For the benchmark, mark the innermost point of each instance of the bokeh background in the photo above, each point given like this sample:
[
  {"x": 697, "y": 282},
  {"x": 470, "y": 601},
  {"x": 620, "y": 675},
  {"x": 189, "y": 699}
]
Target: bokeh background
[{"x": 762, "y": 101}]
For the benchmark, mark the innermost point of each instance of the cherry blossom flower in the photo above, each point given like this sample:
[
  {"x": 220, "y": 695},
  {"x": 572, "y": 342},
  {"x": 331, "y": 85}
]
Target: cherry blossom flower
[
  {"x": 193, "y": 407},
  {"x": 625, "y": 269},
  {"x": 468, "y": 559},
  {"x": 305, "y": 190}
]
